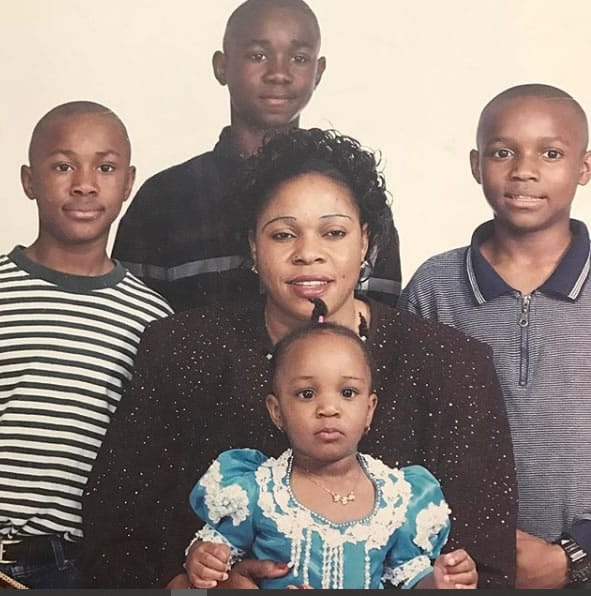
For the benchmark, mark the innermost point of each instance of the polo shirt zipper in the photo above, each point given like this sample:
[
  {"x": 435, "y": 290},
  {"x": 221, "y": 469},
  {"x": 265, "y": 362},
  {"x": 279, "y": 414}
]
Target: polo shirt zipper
[{"x": 524, "y": 352}]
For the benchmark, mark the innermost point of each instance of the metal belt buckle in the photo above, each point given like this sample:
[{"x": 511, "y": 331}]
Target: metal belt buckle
[{"x": 2, "y": 553}]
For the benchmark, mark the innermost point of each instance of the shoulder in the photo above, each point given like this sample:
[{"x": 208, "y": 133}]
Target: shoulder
[
  {"x": 150, "y": 302},
  {"x": 217, "y": 329},
  {"x": 179, "y": 178},
  {"x": 415, "y": 335},
  {"x": 442, "y": 269}
]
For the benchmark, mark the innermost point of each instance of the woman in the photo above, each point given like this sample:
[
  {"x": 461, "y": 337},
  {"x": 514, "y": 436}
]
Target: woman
[{"x": 313, "y": 202}]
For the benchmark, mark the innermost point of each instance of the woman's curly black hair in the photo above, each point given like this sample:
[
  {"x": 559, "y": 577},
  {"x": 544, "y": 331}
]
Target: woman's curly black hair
[{"x": 289, "y": 154}]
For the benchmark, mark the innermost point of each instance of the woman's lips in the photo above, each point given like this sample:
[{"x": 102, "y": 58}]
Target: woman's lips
[{"x": 309, "y": 288}]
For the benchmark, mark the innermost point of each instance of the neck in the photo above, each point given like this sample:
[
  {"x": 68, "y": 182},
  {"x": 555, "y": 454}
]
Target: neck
[
  {"x": 249, "y": 138},
  {"x": 539, "y": 247},
  {"x": 340, "y": 468},
  {"x": 80, "y": 259},
  {"x": 279, "y": 324}
]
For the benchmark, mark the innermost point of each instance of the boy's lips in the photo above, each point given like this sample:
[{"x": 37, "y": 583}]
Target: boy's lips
[{"x": 82, "y": 212}]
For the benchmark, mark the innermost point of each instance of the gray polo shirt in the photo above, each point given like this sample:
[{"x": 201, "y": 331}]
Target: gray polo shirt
[{"x": 542, "y": 350}]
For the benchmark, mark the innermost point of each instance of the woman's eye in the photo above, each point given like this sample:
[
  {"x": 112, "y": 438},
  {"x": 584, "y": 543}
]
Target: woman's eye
[
  {"x": 336, "y": 233},
  {"x": 282, "y": 235},
  {"x": 306, "y": 394}
]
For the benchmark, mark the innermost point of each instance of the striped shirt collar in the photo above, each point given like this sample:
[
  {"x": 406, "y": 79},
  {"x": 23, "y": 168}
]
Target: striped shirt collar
[{"x": 566, "y": 281}]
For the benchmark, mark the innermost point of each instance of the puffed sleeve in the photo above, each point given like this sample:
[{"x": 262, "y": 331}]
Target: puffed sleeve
[
  {"x": 225, "y": 498},
  {"x": 424, "y": 533}
]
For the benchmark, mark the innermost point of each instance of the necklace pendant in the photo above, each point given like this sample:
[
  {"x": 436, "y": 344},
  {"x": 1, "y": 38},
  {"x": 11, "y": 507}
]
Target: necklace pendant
[{"x": 343, "y": 499}]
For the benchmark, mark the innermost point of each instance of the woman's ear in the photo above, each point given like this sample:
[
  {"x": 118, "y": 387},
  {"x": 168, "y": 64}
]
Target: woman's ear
[
  {"x": 364, "y": 241},
  {"x": 253, "y": 247}
]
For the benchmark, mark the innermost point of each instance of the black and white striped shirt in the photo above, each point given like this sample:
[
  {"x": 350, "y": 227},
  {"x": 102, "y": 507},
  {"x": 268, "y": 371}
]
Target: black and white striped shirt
[
  {"x": 67, "y": 345},
  {"x": 542, "y": 350}
]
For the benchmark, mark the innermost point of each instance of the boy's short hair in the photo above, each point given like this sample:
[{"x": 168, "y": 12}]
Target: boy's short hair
[
  {"x": 73, "y": 108},
  {"x": 314, "y": 328},
  {"x": 540, "y": 90},
  {"x": 244, "y": 8}
]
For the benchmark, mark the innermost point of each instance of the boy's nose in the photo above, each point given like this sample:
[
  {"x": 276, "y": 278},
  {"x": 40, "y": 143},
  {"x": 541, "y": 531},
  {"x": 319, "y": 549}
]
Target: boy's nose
[
  {"x": 84, "y": 182},
  {"x": 278, "y": 70},
  {"x": 525, "y": 167}
]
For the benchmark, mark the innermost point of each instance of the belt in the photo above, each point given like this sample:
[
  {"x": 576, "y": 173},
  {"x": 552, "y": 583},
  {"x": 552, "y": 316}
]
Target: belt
[{"x": 35, "y": 549}]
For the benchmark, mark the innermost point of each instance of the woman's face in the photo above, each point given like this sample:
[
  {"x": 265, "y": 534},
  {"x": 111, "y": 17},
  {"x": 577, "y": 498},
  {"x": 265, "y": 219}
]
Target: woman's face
[{"x": 309, "y": 243}]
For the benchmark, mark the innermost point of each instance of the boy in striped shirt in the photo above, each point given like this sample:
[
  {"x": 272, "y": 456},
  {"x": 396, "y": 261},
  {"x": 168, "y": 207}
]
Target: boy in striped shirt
[
  {"x": 70, "y": 323},
  {"x": 523, "y": 287}
]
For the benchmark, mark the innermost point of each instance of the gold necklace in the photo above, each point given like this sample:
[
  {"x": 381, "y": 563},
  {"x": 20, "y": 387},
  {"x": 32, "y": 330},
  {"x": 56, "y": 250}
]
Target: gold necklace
[{"x": 336, "y": 497}]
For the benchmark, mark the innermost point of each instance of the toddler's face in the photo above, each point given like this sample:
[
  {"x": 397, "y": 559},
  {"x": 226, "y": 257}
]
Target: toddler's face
[{"x": 324, "y": 398}]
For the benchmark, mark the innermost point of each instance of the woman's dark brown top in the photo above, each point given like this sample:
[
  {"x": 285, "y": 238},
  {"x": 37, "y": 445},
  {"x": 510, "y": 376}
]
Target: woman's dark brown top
[{"x": 199, "y": 385}]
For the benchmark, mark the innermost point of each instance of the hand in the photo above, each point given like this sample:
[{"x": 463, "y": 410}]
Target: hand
[
  {"x": 244, "y": 574},
  {"x": 179, "y": 582},
  {"x": 455, "y": 570},
  {"x": 207, "y": 564},
  {"x": 300, "y": 587},
  {"x": 540, "y": 564}
]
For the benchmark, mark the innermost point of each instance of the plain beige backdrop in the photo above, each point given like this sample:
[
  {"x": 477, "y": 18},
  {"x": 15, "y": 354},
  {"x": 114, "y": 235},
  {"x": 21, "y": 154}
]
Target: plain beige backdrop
[{"x": 406, "y": 78}]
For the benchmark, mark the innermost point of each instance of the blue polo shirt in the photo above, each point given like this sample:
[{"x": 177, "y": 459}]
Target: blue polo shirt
[{"x": 542, "y": 349}]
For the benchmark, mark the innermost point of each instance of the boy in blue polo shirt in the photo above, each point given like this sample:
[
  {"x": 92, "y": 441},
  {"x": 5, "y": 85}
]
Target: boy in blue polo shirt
[{"x": 522, "y": 287}]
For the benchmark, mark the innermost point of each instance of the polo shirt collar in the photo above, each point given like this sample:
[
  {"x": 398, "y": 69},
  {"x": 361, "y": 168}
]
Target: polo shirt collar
[{"x": 566, "y": 281}]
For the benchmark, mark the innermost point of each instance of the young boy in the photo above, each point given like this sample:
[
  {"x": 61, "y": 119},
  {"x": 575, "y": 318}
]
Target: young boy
[
  {"x": 70, "y": 324},
  {"x": 522, "y": 286},
  {"x": 179, "y": 235}
]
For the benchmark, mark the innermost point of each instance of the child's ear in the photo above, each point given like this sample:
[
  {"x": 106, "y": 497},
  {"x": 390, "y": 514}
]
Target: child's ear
[
  {"x": 219, "y": 67},
  {"x": 475, "y": 165},
  {"x": 130, "y": 181},
  {"x": 27, "y": 181},
  {"x": 585, "y": 169},
  {"x": 320, "y": 68},
  {"x": 371, "y": 408},
  {"x": 272, "y": 404}
]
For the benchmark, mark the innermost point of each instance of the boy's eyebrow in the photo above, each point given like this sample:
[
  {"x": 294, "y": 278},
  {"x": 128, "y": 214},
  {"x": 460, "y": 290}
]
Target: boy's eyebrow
[
  {"x": 71, "y": 153},
  {"x": 296, "y": 43},
  {"x": 292, "y": 218},
  {"x": 542, "y": 140}
]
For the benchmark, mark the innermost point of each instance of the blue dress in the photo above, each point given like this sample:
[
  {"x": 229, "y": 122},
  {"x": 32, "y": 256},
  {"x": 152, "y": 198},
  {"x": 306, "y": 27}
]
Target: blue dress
[{"x": 245, "y": 500}]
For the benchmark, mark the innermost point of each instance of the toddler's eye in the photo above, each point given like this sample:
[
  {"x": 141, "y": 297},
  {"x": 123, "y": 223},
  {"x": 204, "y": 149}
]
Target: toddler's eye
[
  {"x": 301, "y": 59},
  {"x": 306, "y": 393},
  {"x": 552, "y": 154},
  {"x": 257, "y": 56},
  {"x": 63, "y": 167},
  {"x": 106, "y": 168},
  {"x": 348, "y": 392}
]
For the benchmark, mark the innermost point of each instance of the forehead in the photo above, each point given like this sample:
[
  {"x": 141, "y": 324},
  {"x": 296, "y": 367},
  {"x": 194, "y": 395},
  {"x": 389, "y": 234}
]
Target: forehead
[
  {"x": 323, "y": 353},
  {"x": 99, "y": 132},
  {"x": 311, "y": 195},
  {"x": 266, "y": 23},
  {"x": 535, "y": 116}
]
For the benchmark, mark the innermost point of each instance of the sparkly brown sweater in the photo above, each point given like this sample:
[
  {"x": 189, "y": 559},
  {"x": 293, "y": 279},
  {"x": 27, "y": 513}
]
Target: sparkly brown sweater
[{"x": 198, "y": 388}]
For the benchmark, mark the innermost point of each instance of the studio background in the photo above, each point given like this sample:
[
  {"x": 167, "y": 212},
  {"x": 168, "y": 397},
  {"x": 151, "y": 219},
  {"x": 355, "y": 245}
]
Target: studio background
[{"x": 406, "y": 78}]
